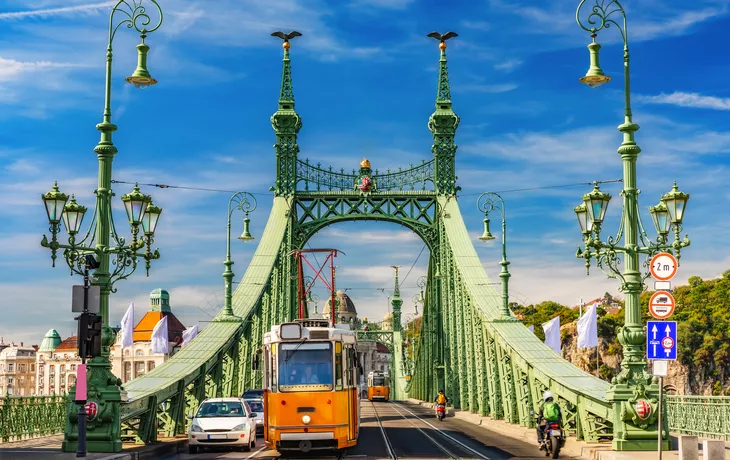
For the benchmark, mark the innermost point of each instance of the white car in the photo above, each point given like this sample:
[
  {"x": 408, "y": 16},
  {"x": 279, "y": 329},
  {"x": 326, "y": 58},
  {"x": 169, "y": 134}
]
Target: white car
[
  {"x": 222, "y": 422},
  {"x": 257, "y": 407}
]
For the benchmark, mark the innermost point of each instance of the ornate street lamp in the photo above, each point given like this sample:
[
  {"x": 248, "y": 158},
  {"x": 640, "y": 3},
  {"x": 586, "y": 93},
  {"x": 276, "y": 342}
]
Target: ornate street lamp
[
  {"x": 633, "y": 382},
  {"x": 246, "y": 203},
  {"x": 116, "y": 258},
  {"x": 486, "y": 203}
]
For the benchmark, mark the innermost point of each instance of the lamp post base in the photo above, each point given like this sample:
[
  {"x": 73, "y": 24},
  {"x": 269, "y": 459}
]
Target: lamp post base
[
  {"x": 635, "y": 417},
  {"x": 103, "y": 425},
  {"x": 227, "y": 319}
]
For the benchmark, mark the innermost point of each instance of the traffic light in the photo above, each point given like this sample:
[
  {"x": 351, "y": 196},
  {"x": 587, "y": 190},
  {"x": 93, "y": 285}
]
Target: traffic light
[{"x": 89, "y": 336}]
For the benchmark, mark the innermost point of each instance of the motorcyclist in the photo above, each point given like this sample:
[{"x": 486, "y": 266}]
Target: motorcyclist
[
  {"x": 441, "y": 398},
  {"x": 546, "y": 412}
]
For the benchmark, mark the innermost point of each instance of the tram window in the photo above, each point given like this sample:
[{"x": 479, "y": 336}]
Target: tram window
[
  {"x": 338, "y": 365},
  {"x": 305, "y": 364},
  {"x": 378, "y": 381},
  {"x": 272, "y": 364}
]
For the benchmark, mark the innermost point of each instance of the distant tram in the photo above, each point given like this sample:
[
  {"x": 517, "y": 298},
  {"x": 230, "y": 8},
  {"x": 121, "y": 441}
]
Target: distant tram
[
  {"x": 311, "y": 399},
  {"x": 378, "y": 386}
]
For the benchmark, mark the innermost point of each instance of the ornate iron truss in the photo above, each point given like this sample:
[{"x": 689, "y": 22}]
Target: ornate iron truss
[
  {"x": 311, "y": 177},
  {"x": 27, "y": 417}
]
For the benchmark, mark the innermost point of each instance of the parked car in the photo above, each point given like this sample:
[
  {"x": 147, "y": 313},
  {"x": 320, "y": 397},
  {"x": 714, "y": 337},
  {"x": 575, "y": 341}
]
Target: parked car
[
  {"x": 257, "y": 408},
  {"x": 222, "y": 422},
  {"x": 253, "y": 394}
]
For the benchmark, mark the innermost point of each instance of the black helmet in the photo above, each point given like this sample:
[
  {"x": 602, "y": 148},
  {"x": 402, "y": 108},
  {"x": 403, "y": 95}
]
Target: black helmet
[{"x": 441, "y": 390}]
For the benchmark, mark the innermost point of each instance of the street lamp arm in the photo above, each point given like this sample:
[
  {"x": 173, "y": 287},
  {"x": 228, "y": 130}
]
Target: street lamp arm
[
  {"x": 600, "y": 18},
  {"x": 135, "y": 17}
]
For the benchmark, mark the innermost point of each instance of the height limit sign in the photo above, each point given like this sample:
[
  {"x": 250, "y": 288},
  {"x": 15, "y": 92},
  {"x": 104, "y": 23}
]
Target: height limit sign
[{"x": 663, "y": 266}]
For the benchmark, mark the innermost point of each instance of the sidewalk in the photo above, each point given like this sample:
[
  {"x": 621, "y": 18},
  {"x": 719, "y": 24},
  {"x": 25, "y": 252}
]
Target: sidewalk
[
  {"x": 592, "y": 451},
  {"x": 50, "y": 448}
]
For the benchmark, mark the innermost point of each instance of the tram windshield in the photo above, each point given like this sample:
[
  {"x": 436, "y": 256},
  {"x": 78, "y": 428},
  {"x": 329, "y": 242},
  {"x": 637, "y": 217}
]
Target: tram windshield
[
  {"x": 378, "y": 381},
  {"x": 305, "y": 365}
]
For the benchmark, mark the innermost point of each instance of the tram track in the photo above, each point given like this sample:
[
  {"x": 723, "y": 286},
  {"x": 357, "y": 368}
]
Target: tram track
[{"x": 388, "y": 445}]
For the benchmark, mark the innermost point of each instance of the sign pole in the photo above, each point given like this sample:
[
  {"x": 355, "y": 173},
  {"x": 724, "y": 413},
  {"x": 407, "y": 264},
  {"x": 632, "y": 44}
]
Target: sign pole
[
  {"x": 659, "y": 416},
  {"x": 81, "y": 445}
]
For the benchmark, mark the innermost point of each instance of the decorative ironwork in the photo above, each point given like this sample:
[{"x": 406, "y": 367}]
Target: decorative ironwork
[
  {"x": 704, "y": 416},
  {"x": 27, "y": 417},
  {"x": 317, "y": 178}
]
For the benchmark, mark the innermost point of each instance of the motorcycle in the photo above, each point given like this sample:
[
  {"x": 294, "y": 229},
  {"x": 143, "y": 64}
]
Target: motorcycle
[
  {"x": 441, "y": 412},
  {"x": 553, "y": 438}
]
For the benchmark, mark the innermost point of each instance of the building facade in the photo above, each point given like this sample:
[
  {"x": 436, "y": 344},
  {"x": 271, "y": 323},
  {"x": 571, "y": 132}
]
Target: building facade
[
  {"x": 17, "y": 370},
  {"x": 138, "y": 359},
  {"x": 56, "y": 363}
]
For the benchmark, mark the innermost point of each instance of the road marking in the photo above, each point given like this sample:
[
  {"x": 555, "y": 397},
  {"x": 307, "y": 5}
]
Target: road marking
[
  {"x": 480, "y": 455},
  {"x": 436, "y": 443},
  {"x": 262, "y": 448},
  {"x": 391, "y": 453}
]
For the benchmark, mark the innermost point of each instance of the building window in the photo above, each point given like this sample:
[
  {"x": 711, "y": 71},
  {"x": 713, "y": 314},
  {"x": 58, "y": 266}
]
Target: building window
[
  {"x": 139, "y": 368},
  {"x": 140, "y": 352},
  {"x": 22, "y": 380},
  {"x": 62, "y": 368},
  {"x": 150, "y": 365},
  {"x": 21, "y": 368},
  {"x": 32, "y": 367},
  {"x": 73, "y": 367},
  {"x": 52, "y": 369},
  {"x": 127, "y": 372},
  {"x": 11, "y": 367},
  {"x": 71, "y": 380},
  {"x": 126, "y": 352}
]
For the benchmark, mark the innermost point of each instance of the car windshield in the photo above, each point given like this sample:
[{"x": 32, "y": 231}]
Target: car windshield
[
  {"x": 221, "y": 409},
  {"x": 256, "y": 406},
  {"x": 253, "y": 393},
  {"x": 305, "y": 365},
  {"x": 378, "y": 381}
]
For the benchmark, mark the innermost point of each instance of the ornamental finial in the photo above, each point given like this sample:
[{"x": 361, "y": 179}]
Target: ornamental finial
[{"x": 365, "y": 163}]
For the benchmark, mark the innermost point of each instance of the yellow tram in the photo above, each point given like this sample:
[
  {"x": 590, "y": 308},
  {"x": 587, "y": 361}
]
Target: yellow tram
[
  {"x": 311, "y": 397},
  {"x": 378, "y": 386}
]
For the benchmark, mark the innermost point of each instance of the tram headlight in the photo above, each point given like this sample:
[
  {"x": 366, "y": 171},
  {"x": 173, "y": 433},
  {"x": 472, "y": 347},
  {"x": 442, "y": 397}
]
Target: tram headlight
[{"x": 306, "y": 419}]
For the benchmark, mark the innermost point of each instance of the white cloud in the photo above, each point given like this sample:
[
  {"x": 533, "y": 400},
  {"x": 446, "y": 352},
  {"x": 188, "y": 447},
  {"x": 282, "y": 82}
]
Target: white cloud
[
  {"x": 11, "y": 69},
  {"x": 683, "y": 99},
  {"x": 48, "y": 12},
  {"x": 508, "y": 65},
  {"x": 479, "y": 25},
  {"x": 479, "y": 88},
  {"x": 384, "y": 4}
]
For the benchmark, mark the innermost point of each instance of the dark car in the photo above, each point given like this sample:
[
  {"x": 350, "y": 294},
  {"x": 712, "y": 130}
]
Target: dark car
[{"x": 253, "y": 394}]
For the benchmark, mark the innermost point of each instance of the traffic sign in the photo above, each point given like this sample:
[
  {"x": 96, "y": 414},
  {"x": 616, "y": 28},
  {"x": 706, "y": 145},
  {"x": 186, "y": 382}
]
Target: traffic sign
[
  {"x": 660, "y": 367},
  {"x": 663, "y": 266},
  {"x": 661, "y": 305},
  {"x": 661, "y": 340},
  {"x": 663, "y": 286}
]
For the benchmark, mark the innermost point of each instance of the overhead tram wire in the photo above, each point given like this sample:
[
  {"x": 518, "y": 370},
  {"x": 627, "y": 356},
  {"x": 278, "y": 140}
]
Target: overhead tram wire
[{"x": 203, "y": 189}]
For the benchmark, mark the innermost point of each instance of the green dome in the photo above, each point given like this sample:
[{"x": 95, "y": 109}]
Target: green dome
[
  {"x": 51, "y": 341},
  {"x": 160, "y": 300}
]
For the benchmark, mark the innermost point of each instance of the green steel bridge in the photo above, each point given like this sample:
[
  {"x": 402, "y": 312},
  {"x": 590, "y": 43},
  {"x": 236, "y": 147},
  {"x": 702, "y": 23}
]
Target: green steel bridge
[{"x": 502, "y": 373}]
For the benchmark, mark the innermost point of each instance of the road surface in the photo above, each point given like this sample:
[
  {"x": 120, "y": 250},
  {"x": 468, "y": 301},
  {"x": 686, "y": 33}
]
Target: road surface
[{"x": 397, "y": 430}]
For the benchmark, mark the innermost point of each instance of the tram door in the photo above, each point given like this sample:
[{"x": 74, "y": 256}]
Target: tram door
[{"x": 353, "y": 406}]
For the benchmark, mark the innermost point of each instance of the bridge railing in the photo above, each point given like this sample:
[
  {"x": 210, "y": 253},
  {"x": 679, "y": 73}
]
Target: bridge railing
[
  {"x": 27, "y": 417},
  {"x": 704, "y": 416},
  {"x": 317, "y": 178}
]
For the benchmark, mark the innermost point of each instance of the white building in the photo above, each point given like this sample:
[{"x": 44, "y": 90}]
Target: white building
[
  {"x": 17, "y": 370},
  {"x": 56, "y": 363}
]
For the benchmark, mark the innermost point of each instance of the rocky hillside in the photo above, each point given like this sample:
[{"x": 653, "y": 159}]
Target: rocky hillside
[{"x": 703, "y": 317}]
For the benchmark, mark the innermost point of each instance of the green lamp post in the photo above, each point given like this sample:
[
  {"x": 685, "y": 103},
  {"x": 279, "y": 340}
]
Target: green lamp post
[
  {"x": 633, "y": 389},
  {"x": 117, "y": 259},
  {"x": 486, "y": 203},
  {"x": 246, "y": 203}
]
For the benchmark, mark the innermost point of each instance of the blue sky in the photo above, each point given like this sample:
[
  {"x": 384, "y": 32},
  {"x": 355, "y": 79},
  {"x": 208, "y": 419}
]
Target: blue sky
[{"x": 365, "y": 83}]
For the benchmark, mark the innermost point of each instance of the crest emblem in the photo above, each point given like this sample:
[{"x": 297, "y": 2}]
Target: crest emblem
[
  {"x": 366, "y": 184},
  {"x": 643, "y": 409},
  {"x": 91, "y": 410}
]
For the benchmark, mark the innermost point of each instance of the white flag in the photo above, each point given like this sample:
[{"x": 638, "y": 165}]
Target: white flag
[
  {"x": 189, "y": 334},
  {"x": 160, "y": 337},
  {"x": 531, "y": 329},
  {"x": 588, "y": 328},
  {"x": 552, "y": 333},
  {"x": 128, "y": 327}
]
